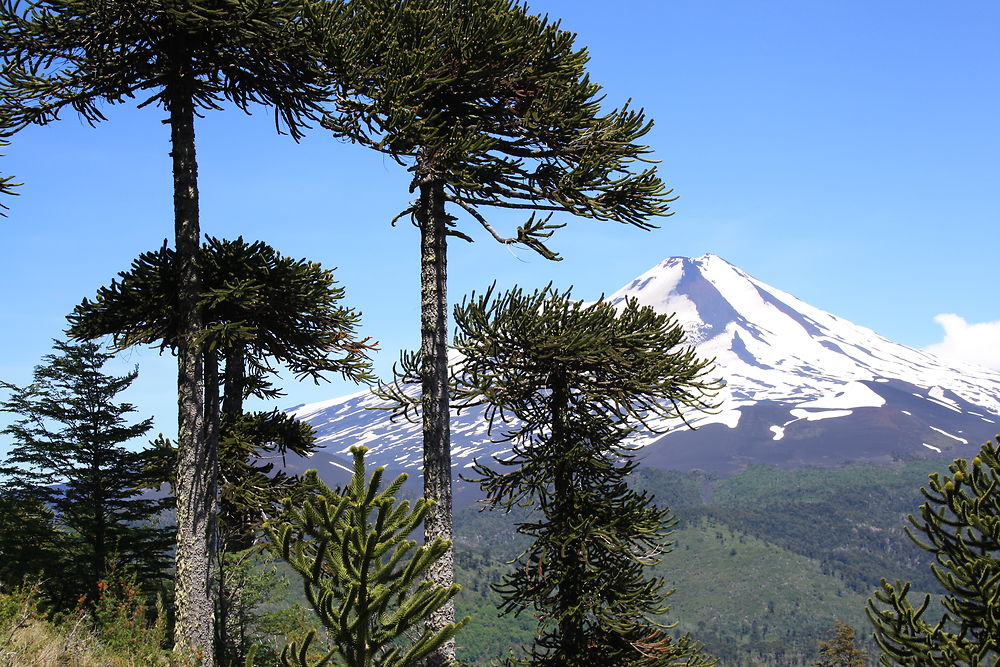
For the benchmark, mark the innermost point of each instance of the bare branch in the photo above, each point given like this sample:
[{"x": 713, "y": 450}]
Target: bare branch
[{"x": 482, "y": 221}]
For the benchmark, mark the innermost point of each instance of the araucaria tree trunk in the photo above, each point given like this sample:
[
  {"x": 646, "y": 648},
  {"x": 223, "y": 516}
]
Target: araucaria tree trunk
[
  {"x": 197, "y": 457},
  {"x": 432, "y": 219},
  {"x": 565, "y": 502}
]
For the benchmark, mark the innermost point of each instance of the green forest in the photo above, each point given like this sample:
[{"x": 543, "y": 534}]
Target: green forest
[{"x": 121, "y": 548}]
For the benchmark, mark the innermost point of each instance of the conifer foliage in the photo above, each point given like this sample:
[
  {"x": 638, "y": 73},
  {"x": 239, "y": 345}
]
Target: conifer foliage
[
  {"x": 565, "y": 383},
  {"x": 840, "y": 650},
  {"x": 260, "y": 309},
  {"x": 186, "y": 57},
  {"x": 7, "y": 184},
  {"x": 362, "y": 574},
  {"x": 959, "y": 523},
  {"x": 489, "y": 107},
  {"x": 68, "y": 461}
]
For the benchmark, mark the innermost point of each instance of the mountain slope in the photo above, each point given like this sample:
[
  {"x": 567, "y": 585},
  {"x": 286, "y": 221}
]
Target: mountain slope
[{"x": 803, "y": 387}]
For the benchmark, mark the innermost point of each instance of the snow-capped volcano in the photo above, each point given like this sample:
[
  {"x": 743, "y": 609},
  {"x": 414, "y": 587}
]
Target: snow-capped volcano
[
  {"x": 802, "y": 386},
  {"x": 770, "y": 347}
]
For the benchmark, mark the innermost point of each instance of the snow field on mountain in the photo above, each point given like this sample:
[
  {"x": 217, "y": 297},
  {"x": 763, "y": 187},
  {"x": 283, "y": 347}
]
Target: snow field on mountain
[{"x": 770, "y": 348}]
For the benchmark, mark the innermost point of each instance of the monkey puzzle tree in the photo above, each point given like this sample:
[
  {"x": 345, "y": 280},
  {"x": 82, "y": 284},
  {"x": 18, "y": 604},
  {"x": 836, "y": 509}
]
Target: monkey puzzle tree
[
  {"x": 259, "y": 308},
  {"x": 960, "y": 524},
  {"x": 565, "y": 383},
  {"x": 184, "y": 56},
  {"x": 362, "y": 574},
  {"x": 489, "y": 107}
]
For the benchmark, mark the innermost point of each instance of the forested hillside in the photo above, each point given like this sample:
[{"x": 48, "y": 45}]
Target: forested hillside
[{"x": 763, "y": 562}]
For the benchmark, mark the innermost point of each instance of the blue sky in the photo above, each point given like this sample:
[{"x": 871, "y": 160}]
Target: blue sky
[{"x": 844, "y": 152}]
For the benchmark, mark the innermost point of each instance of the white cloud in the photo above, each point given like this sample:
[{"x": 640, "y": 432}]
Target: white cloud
[{"x": 977, "y": 343}]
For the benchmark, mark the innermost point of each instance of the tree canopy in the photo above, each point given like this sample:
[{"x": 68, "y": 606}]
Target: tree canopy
[
  {"x": 81, "y": 54},
  {"x": 258, "y": 305},
  {"x": 493, "y": 104}
]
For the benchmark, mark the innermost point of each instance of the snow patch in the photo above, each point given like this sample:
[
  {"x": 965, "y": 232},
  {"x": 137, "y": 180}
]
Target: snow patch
[
  {"x": 342, "y": 467},
  {"x": 851, "y": 395},
  {"x": 936, "y": 449},
  {"x": 816, "y": 416},
  {"x": 949, "y": 405},
  {"x": 954, "y": 437},
  {"x": 305, "y": 412},
  {"x": 779, "y": 432},
  {"x": 730, "y": 418}
]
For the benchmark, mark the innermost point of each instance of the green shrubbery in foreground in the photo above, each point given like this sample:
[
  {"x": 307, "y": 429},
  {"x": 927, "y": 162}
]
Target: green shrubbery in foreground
[{"x": 115, "y": 630}]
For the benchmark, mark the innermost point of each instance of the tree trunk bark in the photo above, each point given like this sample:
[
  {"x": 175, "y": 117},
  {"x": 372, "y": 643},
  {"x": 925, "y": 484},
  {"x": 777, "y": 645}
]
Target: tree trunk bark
[
  {"x": 432, "y": 219},
  {"x": 232, "y": 399},
  {"x": 197, "y": 458},
  {"x": 212, "y": 416},
  {"x": 565, "y": 506}
]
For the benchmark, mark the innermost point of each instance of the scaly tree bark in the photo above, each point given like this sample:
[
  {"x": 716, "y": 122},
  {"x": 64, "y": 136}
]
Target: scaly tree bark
[
  {"x": 198, "y": 458},
  {"x": 489, "y": 107},
  {"x": 183, "y": 56},
  {"x": 434, "y": 388}
]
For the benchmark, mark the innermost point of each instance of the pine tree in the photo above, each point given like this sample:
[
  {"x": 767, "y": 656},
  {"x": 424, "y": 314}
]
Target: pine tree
[
  {"x": 362, "y": 574},
  {"x": 186, "y": 57},
  {"x": 69, "y": 455},
  {"x": 841, "y": 650},
  {"x": 959, "y": 523},
  {"x": 564, "y": 383},
  {"x": 33, "y": 546},
  {"x": 488, "y": 107}
]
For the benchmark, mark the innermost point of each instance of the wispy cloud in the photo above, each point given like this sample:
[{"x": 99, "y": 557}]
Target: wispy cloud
[{"x": 977, "y": 343}]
